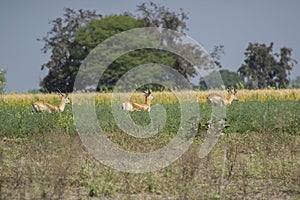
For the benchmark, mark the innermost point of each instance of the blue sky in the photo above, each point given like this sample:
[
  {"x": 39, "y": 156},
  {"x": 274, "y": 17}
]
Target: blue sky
[{"x": 232, "y": 23}]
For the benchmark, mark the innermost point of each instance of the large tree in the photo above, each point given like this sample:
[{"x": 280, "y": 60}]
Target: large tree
[
  {"x": 96, "y": 31},
  {"x": 78, "y": 32},
  {"x": 262, "y": 68},
  {"x": 60, "y": 40},
  {"x": 74, "y": 36}
]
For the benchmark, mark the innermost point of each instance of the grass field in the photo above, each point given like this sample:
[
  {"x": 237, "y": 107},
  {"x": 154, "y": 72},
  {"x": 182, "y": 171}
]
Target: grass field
[{"x": 258, "y": 157}]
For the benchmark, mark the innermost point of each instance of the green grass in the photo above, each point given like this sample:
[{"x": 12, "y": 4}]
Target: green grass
[
  {"x": 41, "y": 156},
  {"x": 268, "y": 116},
  {"x": 242, "y": 117}
]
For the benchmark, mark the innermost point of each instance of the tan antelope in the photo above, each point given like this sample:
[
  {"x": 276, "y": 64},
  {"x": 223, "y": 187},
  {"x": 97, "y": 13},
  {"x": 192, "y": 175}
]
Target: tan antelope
[
  {"x": 40, "y": 106},
  {"x": 130, "y": 106},
  {"x": 217, "y": 99}
]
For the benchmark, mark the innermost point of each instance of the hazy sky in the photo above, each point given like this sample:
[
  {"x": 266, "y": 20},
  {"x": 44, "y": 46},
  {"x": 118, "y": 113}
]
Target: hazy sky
[{"x": 232, "y": 23}]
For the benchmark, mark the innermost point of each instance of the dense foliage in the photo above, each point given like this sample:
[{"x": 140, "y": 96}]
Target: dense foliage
[
  {"x": 78, "y": 32},
  {"x": 60, "y": 40},
  {"x": 262, "y": 68},
  {"x": 75, "y": 35}
]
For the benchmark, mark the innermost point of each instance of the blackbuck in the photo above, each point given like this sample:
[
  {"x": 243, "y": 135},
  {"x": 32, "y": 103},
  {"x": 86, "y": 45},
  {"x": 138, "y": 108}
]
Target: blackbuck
[
  {"x": 40, "y": 106},
  {"x": 217, "y": 99},
  {"x": 131, "y": 106}
]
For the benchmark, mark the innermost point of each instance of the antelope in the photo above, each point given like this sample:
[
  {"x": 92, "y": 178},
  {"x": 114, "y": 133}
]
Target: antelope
[
  {"x": 217, "y": 99},
  {"x": 40, "y": 106},
  {"x": 130, "y": 106}
]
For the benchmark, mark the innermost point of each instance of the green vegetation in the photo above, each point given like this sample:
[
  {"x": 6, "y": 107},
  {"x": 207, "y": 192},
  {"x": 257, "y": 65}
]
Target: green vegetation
[
  {"x": 2, "y": 81},
  {"x": 262, "y": 68},
  {"x": 41, "y": 156},
  {"x": 74, "y": 35},
  {"x": 77, "y": 33}
]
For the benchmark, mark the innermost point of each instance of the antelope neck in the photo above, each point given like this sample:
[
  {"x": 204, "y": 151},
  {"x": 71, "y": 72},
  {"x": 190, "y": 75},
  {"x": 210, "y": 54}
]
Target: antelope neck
[
  {"x": 229, "y": 101},
  {"x": 62, "y": 105},
  {"x": 148, "y": 102}
]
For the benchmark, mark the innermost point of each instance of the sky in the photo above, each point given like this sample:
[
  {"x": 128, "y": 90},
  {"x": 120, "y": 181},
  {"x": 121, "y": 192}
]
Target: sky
[{"x": 232, "y": 23}]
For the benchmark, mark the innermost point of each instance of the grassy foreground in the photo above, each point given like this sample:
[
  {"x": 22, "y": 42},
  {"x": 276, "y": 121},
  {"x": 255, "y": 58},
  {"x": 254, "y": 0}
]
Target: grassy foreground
[{"x": 258, "y": 157}]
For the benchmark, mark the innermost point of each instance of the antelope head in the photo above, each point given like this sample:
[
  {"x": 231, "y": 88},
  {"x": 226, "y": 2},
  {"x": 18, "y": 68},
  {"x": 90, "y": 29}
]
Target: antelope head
[
  {"x": 232, "y": 96},
  {"x": 64, "y": 97},
  {"x": 148, "y": 97}
]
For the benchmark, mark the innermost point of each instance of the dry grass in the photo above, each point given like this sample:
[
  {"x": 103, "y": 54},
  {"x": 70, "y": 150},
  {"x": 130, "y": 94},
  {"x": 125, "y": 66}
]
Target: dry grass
[
  {"x": 160, "y": 97},
  {"x": 56, "y": 166}
]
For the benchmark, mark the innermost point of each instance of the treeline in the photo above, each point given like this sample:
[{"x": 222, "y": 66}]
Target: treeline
[{"x": 74, "y": 35}]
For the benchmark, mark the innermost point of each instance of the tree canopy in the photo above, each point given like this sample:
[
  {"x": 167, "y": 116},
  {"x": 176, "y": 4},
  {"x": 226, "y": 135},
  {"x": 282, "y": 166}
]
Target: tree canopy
[
  {"x": 78, "y": 32},
  {"x": 96, "y": 31},
  {"x": 60, "y": 40},
  {"x": 262, "y": 68},
  {"x": 74, "y": 36}
]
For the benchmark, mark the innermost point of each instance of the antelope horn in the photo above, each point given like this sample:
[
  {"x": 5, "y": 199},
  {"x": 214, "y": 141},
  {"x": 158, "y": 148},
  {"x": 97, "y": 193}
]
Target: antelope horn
[{"x": 60, "y": 92}]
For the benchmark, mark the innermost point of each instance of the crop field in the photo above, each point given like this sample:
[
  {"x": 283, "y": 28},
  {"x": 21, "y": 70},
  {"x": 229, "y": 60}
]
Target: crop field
[{"x": 257, "y": 157}]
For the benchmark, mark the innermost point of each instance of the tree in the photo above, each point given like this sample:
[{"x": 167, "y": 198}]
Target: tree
[
  {"x": 74, "y": 36},
  {"x": 78, "y": 32},
  {"x": 2, "y": 81},
  {"x": 154, "y": 15},
  {"x": 60, "y": 40},
  {"x": 284, "y": 66},
  {"x": 262, "y": 68},
  {"x": 96, "y": 31},
  {"x": 216, "y": 54}
]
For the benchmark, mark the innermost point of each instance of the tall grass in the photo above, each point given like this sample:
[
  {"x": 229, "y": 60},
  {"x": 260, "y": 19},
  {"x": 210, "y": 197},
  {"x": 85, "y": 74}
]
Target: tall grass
[{"x": 160, "y": 97}]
